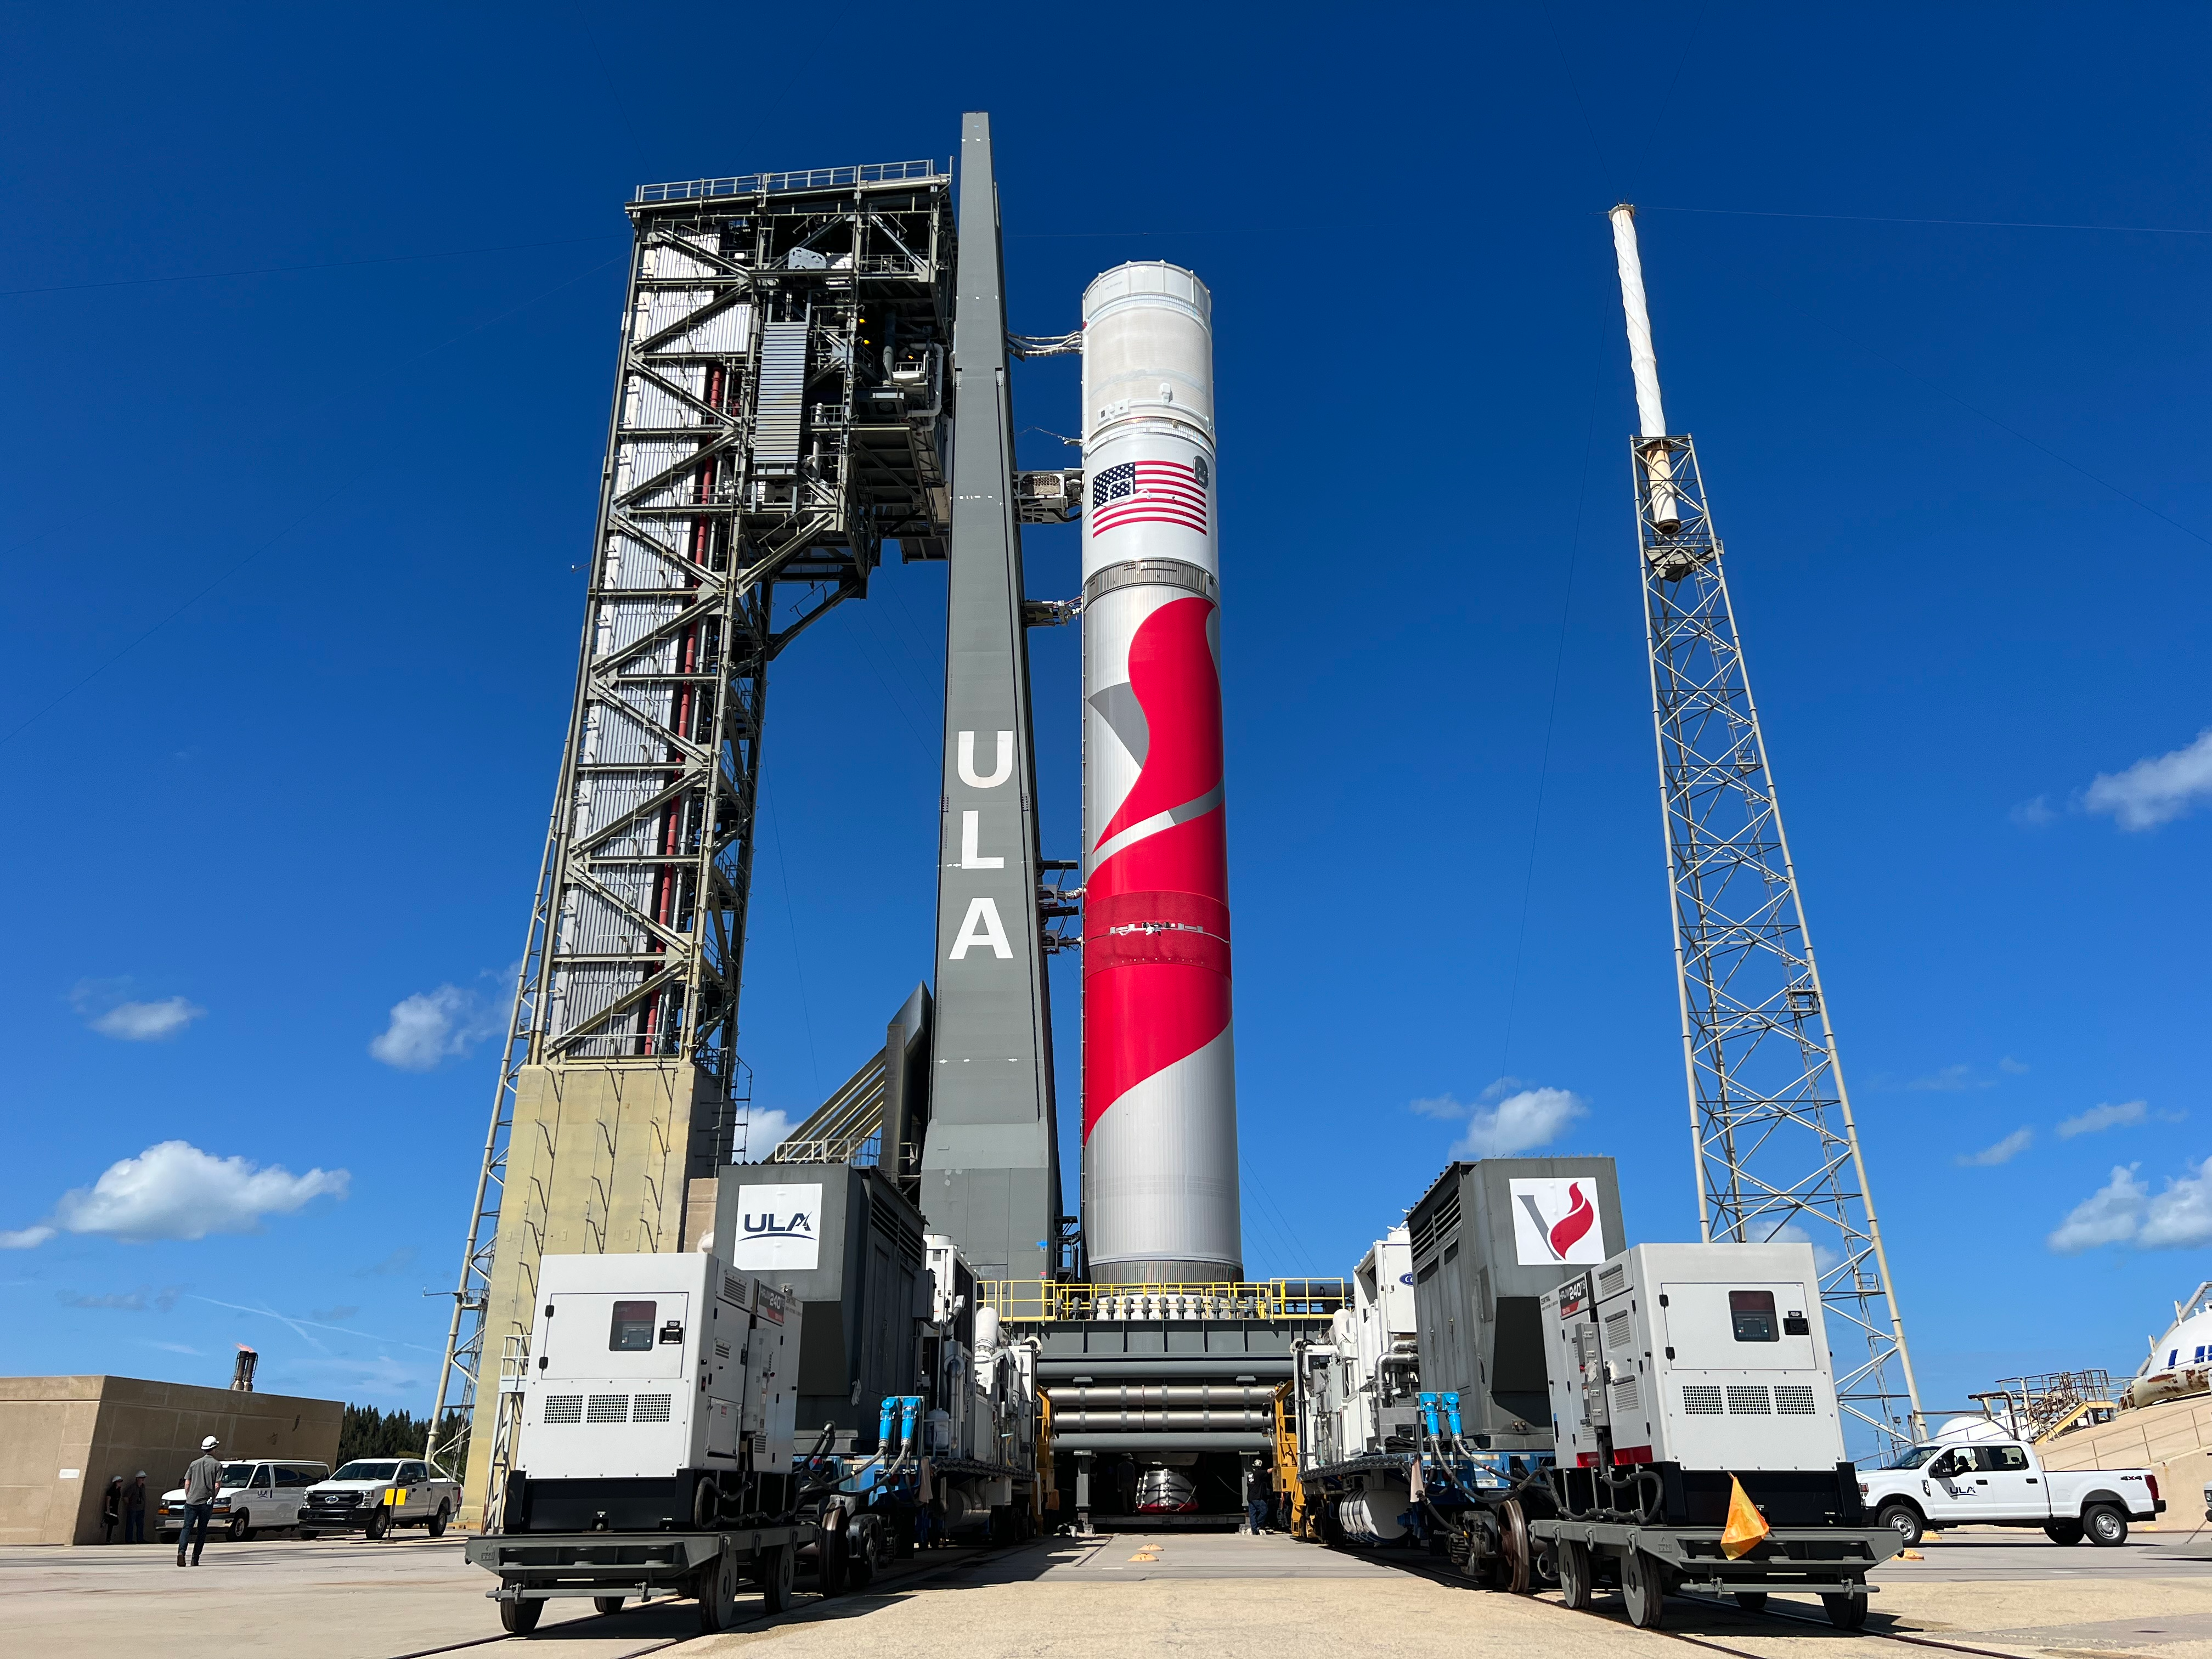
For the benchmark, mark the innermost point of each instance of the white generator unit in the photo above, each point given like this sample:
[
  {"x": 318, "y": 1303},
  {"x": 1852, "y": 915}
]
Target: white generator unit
[
  {"x": 662, "y": 1392},
  {"x": 1707, "y": 1357}
]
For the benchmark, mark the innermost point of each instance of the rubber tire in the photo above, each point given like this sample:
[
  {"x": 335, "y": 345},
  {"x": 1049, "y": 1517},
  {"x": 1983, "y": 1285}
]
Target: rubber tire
[
  {"x": 1845, "y": 1612},
  {"x": 241, "y": 1527},
  {"x": 2104, "y": 1526},
  {"x": 2062, "y": 1532},
  {"x": 717, "y": 1594},
  {"x": 379, "y": 1522},
  {"x": 1577, "y": 1576},
  {"x": 832, "y": 1565},
  {"x": 1903, "y": 1520},
  {"x": 1752, "y": 1601},
  {"x": 520, "y": 1617},
  {"x": 773, "y": 1571},
  {"x": 1519, "y": 1576},
  {"x": 437, "y": 1526},
  {"x": 1643, "y": 1587},
  {"x": 607, "y": 1604}
]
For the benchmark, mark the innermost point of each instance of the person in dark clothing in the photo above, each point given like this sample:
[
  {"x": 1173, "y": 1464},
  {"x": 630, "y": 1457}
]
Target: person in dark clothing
[
  {"x": 1256, "y": 1511},
  {"x": 134, "y": 1510},
  {"x": 202, "y": 1480},
  {"x": 110, "y": 1509}
]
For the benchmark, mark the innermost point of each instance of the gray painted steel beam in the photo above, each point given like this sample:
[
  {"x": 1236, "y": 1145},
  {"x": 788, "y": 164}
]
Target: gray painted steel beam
[{"x": 991, "y": 1164}]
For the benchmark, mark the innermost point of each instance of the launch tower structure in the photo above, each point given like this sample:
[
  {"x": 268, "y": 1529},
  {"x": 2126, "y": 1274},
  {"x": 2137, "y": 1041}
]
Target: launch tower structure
[
  {"x": 781, "y": 414},
  {"x": 1777, "y": 1149}
]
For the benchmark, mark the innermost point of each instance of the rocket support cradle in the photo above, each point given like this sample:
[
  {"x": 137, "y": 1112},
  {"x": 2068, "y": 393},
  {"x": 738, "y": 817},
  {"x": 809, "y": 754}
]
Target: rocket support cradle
[{"x": 1159, "y": 1092}]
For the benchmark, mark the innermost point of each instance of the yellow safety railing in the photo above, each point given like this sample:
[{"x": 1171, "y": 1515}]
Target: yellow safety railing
[{"x": 1044, "y": 1299}]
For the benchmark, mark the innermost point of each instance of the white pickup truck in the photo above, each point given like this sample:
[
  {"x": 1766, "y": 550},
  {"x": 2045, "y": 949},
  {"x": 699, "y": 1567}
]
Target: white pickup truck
[
  {"x": 373, "y": 1495},
  {"x": 2002, "y": 1483}
]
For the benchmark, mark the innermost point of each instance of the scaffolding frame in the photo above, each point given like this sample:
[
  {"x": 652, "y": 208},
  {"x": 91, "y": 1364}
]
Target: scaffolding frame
[
  {"x": 781, "y": 413},
  {"x": 1775, "y": 1143}
]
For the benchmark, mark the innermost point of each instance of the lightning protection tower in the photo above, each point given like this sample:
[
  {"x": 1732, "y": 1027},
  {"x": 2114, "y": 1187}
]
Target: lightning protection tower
[
  {"x": 780, "y": 414},
  {"x": 1777, "y": 1150}
]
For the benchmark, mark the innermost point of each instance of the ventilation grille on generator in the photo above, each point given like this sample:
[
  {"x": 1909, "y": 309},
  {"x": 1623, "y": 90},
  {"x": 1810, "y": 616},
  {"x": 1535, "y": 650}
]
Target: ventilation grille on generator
[
  {"x": 607, "y": 1408},
  {"x": 650, "y": 1408},
  {"x": 1748, "y": 1401},
  {"x": 733, "y": 1290},
  {"x": 1701, "y": 1399},
  {"x": 564, "y": 1408},
  {"x": 1793, "y": 1400},
  {"x": 1610, "y": 1280},
  {"x": 1619, "y": 1330},
  {"x": 1626, "y": 1396}
]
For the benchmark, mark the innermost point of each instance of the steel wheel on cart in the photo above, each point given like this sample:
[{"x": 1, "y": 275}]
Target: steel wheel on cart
[
  {"x": 1643, "y": 1587},
  {"x": 1519, "y": 1573},
  {"x": 831, "y": 1564},
  {"x": 1578, "y": 1579},
  {"x": 717, "y": 1594},
  {"x": 1845, "y": 1612},
  {"x": 772, "y": 1569}
]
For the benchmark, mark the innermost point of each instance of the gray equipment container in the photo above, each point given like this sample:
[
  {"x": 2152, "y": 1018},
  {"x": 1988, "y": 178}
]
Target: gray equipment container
[
  {"x": 1489, "y": 1239},
  {"x": 849, "y": 1247}
]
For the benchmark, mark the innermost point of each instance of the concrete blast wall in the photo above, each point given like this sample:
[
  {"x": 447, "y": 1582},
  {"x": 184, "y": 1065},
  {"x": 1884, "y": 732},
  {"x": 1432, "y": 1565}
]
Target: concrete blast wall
[{"x": 61, "y": 1438}]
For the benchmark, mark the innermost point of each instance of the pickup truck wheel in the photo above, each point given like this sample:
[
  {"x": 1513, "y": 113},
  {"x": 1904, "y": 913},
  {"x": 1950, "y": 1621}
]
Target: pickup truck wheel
[
  {"x": 1903, "y": 1520},
  {"x": 607, "y": 1603},
  {"x": 1845, "y": 1612},
  {"x": 2062, "y": 1532},
  {"x": 2106, "y": 1525},
  {"x": 379, "y": 1522},
  {"x": 519, "y": 1617},
  {"x": 437, "y": 1526}
]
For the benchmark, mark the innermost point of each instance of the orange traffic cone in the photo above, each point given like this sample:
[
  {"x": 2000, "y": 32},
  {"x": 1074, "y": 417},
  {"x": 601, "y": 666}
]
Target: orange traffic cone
[{"x": 1746, "y": 1525}]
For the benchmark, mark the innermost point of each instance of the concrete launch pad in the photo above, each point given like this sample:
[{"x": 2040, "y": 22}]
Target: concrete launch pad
[{"x": 1977, "y": 1591}]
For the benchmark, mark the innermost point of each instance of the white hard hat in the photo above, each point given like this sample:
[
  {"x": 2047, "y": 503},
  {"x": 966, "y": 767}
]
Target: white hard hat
[{"x": 210, "y": 1443}]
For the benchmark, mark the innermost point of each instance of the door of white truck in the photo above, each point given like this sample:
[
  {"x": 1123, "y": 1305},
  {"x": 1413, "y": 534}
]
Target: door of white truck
[
  {"x": 1947, "y": 1489},
  {"x": 2011, "y": 1482}
]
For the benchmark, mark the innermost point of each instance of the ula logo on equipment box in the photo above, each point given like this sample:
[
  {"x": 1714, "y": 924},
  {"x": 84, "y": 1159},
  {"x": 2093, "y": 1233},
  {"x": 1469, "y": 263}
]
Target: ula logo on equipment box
[{"x": 778, "y": 1227}]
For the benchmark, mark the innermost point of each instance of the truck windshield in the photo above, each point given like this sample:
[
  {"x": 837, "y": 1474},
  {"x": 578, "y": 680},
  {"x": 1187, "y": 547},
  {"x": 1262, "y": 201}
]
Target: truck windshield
[
  {"x": 1913, "y": 1457},
  {"x": 368, "y": 1471}
]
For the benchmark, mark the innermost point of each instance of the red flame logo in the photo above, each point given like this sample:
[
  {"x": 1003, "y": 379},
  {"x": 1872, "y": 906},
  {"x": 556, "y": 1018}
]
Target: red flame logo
[{"x": 1581, "y": 1216}]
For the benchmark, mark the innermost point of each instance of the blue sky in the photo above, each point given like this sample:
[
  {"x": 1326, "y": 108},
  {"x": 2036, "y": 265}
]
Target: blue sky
[{"x": 308, "y": 337}]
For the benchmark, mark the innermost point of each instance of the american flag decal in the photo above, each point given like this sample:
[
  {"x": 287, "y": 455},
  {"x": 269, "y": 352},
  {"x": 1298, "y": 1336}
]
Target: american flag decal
[{"x": 1148, "y": 492}]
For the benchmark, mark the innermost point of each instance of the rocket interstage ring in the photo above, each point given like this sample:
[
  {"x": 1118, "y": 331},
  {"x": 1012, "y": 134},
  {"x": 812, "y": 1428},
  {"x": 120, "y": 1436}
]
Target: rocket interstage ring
[{"x": 1152, "y": 573}]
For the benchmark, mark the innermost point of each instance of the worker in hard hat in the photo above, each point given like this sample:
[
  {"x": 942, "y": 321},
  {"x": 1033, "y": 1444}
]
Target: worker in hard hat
[{"x": 203, "y": 1480}]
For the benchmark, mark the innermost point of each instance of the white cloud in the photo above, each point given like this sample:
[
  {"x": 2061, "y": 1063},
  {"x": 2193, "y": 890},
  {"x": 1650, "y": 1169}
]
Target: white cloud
[
  {"x": 175, "y": 1191},
  {"x": 2013, "y": 1067},
  {"x": 2180, "y": 1218},
  {"x": 136, "y": 1301},
  {"x": 1519, "y": 1123},
  {"x": 106, "y": 1009},
  {"x": 430, "y": 1025},
  {"x": 2101, "y": 1117},
  {"x": 2111, "y": 1215},
  {"x": 2003, "y": 1152},
  {"x": 2156, "y": 789},
  {"x": 760, "y": 1133},
  {"x": 1825, "y": 1255}
]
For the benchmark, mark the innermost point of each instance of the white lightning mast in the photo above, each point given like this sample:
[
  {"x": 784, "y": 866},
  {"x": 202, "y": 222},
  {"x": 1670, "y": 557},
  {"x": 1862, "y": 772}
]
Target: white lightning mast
[{"x": 1777, "y": 1150}]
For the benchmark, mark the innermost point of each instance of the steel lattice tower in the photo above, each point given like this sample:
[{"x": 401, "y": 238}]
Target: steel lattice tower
[{"x": 1777, "y": 1149}]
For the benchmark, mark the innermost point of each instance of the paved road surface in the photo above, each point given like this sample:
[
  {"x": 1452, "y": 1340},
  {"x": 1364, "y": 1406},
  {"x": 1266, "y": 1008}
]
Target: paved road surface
[{"x": 1218, "y": 1596}]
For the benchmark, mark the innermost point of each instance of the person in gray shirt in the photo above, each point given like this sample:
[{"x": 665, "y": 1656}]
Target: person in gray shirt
[{"x": 203, "y": 1480}]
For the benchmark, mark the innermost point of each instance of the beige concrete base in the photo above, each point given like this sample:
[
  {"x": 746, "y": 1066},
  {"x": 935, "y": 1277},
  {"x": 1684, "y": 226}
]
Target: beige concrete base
[
  {"x": 596, "y": 1165},
  {"x": 2173, "y": 1439},
  {"x": 61, "y": 1438}
]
